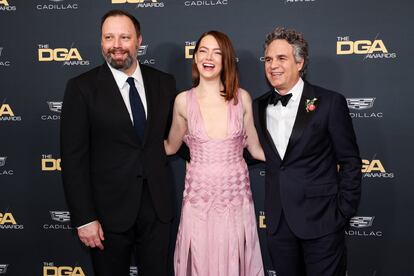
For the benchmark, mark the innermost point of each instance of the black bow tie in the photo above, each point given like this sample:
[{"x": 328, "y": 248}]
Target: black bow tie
[{"x": 275, "y": 97}]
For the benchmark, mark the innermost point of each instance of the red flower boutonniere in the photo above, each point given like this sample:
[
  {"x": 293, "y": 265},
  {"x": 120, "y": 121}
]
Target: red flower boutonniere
[{"x": 310, "y": 104}]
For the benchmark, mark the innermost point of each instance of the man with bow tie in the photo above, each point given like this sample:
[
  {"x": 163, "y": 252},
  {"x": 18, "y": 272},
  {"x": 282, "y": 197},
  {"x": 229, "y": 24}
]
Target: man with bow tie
[{"x": 313, "y": 167}]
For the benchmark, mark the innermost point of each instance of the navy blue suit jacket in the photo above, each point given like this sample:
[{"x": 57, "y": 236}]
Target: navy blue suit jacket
[{"x": 318, "y": 182}]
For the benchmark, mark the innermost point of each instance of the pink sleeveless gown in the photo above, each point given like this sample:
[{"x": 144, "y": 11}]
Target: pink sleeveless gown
[{"x": 217, "y": 235}]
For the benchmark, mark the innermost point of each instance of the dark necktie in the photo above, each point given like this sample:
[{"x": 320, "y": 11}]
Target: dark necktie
[
  {"x": 275, "y": 97},
  {"x": 137, "y": 108}
]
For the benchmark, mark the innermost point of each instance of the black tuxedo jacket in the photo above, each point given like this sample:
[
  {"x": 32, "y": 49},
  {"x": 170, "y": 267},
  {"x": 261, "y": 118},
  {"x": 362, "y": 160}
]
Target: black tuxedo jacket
[
  {"x": 316, "y": 196},
  {"x": 103, "y": 160}
]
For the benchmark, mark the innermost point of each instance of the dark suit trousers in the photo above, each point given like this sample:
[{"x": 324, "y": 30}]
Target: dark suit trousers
[
  {"x": 148, "y": 239},
  {"x": 292, "y": 256}
]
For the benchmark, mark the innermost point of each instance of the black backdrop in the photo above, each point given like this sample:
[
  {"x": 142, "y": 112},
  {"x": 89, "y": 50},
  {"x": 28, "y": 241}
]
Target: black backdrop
[{"x": 360, "y": 48}]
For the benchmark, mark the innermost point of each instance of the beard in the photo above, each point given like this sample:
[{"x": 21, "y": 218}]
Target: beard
[{"x": 119, "y": 64}]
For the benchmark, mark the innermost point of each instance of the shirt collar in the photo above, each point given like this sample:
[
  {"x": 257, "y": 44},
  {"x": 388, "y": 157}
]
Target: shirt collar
[
  {"x": 121, "y": 78},
  {"x": 296, "y": 90}
]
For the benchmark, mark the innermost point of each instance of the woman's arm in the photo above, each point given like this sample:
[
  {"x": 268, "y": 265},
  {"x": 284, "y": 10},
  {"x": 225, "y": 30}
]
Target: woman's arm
[
  {"x": 253, "y": 144},
  {"x": 178, "y": 126}
]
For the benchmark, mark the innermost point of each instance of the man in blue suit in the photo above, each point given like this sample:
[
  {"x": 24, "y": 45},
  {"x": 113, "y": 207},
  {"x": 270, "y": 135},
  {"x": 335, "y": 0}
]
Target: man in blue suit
[{"x": 313, "y": 167}]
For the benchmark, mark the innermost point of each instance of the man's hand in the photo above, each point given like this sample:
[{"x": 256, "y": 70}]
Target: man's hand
[{"x": 91, "y": 235}]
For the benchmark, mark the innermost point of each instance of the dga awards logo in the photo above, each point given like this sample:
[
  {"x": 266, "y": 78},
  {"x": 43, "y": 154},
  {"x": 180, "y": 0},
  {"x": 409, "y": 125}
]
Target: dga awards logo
[
  {"x": 7, "y": 113},
  {"x": 60, "y": 5},
  {"x": 262, "y": 220},
  {"x": 7, "y": 5},
  {"x": 55, "y": 109},
  {"x": 142, "y": 52},
  {"x": 189, "y": 49},
  {"x": 67, "y": 56},
  {"x": 3, "y": 62},
  {"x": 4, "y": 171},
  {"x": 3, "y": 268},
  {"x": 50, "y": 269},
  {"x": 362, "y": 227},
  {"x": 369, "y": 49},
  {"x": 359, "y": 107},
  {"x": 206, "y": 3},
  {"x": 49, "y": 163},
  {"x": 133, "y": 271},
  {"x": 61, "y": 219},
  {"x": 8, "y": 222},
  {"x": 375, "y": 169},
  {"x": 141, "y": 3}
]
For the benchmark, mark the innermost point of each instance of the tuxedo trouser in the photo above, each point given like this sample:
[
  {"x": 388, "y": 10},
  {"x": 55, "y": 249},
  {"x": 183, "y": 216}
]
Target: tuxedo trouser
[
  {"x": 148, "y": 240},
  {"x": 292, "y": 256}
]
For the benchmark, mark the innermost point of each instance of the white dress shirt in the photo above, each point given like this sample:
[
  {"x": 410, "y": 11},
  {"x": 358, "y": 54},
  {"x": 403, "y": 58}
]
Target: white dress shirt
[
  {"x": 121, "y": 80},
  {"x": 280, "y": 119}
]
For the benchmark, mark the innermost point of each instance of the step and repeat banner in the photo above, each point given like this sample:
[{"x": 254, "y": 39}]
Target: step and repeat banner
[{"x": 362, "y": 49}]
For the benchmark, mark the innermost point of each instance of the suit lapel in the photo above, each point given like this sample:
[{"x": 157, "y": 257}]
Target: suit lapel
[
  {"x": 263, "y": 103},
  {"x": 109, "y": 89},
  {"x": 151, "y": 94},
  {"x": 302, "y": 117}
]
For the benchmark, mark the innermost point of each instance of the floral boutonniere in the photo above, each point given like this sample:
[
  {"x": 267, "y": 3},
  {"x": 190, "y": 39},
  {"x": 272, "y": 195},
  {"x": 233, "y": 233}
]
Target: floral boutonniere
[{"x": 310, "y": 104}]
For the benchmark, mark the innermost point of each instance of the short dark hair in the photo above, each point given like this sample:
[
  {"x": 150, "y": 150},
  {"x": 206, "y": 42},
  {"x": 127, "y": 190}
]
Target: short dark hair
[
  {"x": 122, "y": 13},
  {"x": 294, "y": 38}
]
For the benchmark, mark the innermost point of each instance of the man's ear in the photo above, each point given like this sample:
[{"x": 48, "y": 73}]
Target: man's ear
[{"x": 300, "y": 64}]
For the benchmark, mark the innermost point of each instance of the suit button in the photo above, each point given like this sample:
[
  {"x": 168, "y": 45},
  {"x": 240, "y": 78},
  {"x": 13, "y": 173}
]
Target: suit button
[{"x": 282, "y": 168}]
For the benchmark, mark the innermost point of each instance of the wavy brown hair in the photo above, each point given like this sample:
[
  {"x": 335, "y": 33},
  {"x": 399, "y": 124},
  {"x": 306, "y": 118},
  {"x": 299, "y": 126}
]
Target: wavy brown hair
[
  {"x": 229, "y": 74},
  {"x": 294, "y": 38}
]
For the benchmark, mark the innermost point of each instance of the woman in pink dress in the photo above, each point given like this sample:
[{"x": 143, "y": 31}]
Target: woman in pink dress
[{"x": 217, "y": 235}]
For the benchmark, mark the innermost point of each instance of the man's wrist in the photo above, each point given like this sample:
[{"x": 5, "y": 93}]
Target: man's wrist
[{"x": 82, "y": 226}]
